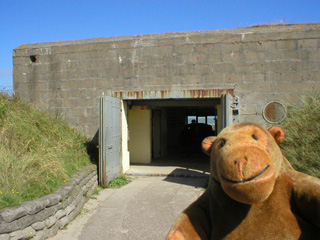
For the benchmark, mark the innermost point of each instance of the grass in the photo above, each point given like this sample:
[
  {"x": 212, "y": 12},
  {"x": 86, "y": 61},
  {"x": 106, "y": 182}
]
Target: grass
[
  {"x": 118, "y": 182},
  {"x": 302, "y": 135},
  {"x": 115, "y": 183},
  {"x": 38, "y": 152}
]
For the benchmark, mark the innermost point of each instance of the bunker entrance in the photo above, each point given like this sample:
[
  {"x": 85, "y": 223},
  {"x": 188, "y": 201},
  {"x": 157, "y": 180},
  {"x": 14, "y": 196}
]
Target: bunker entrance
[
  {"x": 160, "y": 127},
  {"x": 165, "y": 132}
]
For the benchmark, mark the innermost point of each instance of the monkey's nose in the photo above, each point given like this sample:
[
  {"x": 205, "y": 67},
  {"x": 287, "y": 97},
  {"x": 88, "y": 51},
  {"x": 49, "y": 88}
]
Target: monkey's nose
[{"x": 239, "y": 164}]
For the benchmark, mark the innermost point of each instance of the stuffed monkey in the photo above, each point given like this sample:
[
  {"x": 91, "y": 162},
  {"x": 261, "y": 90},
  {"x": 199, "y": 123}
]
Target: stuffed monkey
[{"x": 253, "y": 191}]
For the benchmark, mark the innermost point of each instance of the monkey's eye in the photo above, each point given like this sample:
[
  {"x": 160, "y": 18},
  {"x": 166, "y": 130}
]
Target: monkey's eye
[
  {"x": 254, "y": 137},
  {"x": 222, "y": 143}
]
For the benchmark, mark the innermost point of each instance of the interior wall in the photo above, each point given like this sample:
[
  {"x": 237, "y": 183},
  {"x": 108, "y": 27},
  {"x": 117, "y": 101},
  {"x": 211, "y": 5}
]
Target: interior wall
[
  {"x": 140, "y": 140},
  {"x": 156, "y": 133},
  {"x": 164, "y": 132},
  {"x": 175, "y": 125},
  {"x": 159, "y": 133},
  {"x": 125, "y": 156}
]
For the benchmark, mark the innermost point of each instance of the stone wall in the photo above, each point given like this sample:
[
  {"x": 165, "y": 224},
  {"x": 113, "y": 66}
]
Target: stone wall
[
  {"x": 261, "y": 64},
  {"x": 43, "y": 217}
]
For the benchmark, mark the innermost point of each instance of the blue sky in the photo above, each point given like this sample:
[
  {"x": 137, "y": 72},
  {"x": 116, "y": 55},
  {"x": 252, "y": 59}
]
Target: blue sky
[{"x": 36, "y": 21}]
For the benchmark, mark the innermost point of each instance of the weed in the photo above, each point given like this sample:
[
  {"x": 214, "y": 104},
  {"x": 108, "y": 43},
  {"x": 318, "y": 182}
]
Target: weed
[
  {"x": 96, "y": 191},
  {"x": 118, "y": 182},
  {"x": 84, "y": 211}
]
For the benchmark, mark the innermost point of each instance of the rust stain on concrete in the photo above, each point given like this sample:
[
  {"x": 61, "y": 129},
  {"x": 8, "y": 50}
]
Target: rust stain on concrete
[{"x": 173, "y": 94}]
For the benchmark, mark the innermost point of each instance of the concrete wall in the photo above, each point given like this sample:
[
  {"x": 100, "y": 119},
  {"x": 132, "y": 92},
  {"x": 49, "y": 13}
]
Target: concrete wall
[{"x": 261, "y": 64}]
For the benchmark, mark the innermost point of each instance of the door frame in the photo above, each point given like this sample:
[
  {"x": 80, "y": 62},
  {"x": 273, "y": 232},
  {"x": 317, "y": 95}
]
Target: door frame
[{"x": 226, "y": 97}]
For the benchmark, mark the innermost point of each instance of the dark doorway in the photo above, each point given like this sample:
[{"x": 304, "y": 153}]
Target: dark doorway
[{"x": 178, "y": 127}]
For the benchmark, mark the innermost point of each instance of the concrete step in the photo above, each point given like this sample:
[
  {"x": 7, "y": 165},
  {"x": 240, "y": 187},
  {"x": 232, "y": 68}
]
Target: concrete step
[{"x": 176, "y": 171}]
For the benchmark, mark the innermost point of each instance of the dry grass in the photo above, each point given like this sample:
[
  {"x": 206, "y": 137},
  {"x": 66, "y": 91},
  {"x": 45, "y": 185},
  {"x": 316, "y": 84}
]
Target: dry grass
[
  {"x": 38, "y": 152},
  {"x": 302, "y": 141}
]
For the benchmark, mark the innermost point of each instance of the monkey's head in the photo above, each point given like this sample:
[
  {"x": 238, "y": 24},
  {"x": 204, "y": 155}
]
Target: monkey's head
[{"x": 246, "y": 160}]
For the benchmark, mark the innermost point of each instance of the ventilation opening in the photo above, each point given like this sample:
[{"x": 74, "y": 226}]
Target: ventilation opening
[{"x": 33, "y": 58}]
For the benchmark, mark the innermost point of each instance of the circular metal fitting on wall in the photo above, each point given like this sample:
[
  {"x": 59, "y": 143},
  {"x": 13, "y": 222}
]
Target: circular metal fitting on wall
[{"x": 274, "y": 112}]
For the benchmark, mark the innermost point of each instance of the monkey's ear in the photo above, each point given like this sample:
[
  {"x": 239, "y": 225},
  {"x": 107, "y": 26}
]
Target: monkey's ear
[
  {"x": 277, "y": 133},
  {"x": 207, "y": 144}
]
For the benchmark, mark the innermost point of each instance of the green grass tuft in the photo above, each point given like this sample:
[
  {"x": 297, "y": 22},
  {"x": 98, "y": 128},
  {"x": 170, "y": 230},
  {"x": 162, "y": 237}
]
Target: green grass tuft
[
  {"x": 38, "y": 152},
  {"x": 302, "y": 135},
  {"x": 118, "y": 182}
]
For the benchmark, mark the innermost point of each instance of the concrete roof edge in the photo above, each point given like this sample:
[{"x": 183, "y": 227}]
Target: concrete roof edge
[{"x": 264, "y": 28}]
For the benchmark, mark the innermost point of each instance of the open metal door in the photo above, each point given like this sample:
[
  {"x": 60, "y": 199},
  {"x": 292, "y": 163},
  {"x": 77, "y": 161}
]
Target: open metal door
[
  {"x": 109, "y": 139},
  {"x": 228, "y": 111}
]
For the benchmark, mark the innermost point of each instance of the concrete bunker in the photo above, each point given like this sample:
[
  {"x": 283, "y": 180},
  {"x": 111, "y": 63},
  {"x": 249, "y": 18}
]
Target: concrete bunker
[{"x": 259, "y": 64}]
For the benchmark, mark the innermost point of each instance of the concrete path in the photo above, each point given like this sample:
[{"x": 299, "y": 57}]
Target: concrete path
[{"x": 143, "y": 209}]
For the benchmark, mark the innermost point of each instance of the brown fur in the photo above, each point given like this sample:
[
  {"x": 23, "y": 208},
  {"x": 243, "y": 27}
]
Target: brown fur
[{"x": 253, "y": 193}]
